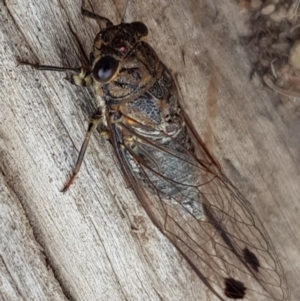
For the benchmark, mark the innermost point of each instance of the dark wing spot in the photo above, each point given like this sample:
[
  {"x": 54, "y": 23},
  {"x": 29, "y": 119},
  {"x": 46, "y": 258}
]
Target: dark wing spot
[
  {"x": 234, "y": 289},
  {"x": 251, "y": 259}
]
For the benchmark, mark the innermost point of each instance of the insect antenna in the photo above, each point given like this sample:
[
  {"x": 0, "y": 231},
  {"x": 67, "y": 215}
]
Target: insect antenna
[{"x": 124, "y": 11}]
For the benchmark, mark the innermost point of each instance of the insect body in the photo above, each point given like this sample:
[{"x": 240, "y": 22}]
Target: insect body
[{"x": 176, "y": 179}]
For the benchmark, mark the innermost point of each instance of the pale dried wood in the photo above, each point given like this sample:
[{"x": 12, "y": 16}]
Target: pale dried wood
[{"x": 97, "y": 241}]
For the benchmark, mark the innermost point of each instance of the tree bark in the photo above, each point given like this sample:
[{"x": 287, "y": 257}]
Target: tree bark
[{"x": 95, "y": 242}]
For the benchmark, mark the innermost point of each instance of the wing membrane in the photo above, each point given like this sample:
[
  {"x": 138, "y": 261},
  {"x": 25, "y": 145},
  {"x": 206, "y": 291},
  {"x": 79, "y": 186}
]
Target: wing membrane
[{"x": 210, "y": 223}]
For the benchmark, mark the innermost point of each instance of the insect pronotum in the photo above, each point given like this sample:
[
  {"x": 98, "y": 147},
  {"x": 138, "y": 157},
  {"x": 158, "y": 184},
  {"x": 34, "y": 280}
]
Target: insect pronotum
[{"x": 176, "y": 179}]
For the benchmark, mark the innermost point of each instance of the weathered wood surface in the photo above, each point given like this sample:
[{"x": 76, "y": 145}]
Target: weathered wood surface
[{"x": 95, "y": 241}]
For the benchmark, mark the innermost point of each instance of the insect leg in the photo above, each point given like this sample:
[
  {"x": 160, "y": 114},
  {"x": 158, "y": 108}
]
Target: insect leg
[
  {"x": 50, "y": 68},
  {"x": 81, "y": 77},
  {"x": 92, "y": 15},
  {"x": 94, "y": 122}
]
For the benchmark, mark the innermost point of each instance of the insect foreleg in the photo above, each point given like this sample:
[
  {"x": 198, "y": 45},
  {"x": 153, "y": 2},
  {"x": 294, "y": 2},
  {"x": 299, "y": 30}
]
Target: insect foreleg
[
  {"x": 51, "y": 68},
  {"x": 81, "y": 77},
  {"x": 92, "y": 15},
  {"x": 93, "y": 124}
]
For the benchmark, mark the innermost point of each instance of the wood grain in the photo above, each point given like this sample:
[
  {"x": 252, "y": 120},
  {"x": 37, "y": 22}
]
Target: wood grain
[{"x": 95, "y": 242}]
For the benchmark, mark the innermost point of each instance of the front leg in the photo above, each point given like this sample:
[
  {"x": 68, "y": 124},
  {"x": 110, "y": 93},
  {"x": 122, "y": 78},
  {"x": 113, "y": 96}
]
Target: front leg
[
  {"x": 93, "y": 124},
  {"x": 92, "y": 15},
  {"x": 82, "y": 76}
]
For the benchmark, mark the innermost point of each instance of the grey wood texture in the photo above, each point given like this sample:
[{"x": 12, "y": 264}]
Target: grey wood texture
[{"x": 95, "y": 242}]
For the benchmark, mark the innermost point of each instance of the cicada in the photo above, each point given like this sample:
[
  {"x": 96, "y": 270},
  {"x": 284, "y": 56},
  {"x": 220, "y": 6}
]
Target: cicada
[{"x": 178, "y": 182}]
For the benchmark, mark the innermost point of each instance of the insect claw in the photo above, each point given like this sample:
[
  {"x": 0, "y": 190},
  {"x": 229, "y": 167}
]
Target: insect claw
[
  {"x": 64, "y": 189},
  {"x": 68, "y": 184},
  {"x": 20, "y": 62}
]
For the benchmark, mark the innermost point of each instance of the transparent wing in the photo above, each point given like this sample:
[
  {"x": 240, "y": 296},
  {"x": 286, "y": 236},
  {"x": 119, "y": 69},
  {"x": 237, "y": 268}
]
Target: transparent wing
[{"x": 210, "y": 223}]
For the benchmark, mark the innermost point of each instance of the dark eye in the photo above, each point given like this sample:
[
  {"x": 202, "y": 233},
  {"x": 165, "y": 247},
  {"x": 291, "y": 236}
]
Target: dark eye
[
  {"x": 140, "y": 27},
  {"x": 105, "y": 69}
]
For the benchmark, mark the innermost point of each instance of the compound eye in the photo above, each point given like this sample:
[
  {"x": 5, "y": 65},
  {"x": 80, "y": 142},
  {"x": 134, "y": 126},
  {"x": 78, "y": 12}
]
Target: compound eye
[
  {"x": 105, "y": 69},
  {"x": 140, "y": 27}
]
